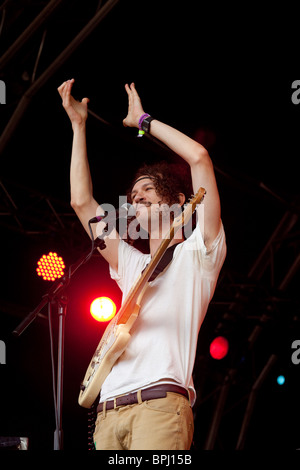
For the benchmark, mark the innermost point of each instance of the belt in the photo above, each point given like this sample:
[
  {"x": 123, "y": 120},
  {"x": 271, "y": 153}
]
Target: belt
[{"x": 160, "y": 391}]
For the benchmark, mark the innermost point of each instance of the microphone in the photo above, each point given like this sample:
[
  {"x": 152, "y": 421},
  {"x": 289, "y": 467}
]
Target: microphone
[{"x": 121, "y": 213}]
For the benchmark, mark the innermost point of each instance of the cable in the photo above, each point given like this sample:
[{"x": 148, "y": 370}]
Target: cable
[
  {"x": 92, "y": 415},
  {"x": 99, "y": 242}
]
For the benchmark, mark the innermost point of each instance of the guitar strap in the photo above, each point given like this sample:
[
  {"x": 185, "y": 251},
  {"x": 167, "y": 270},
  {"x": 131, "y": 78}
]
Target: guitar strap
[{"x": 163, "y": 263}]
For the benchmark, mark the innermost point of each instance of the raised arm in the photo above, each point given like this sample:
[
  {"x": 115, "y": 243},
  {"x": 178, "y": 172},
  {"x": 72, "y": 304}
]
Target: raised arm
[
  {"x": 194, "y": 154},
  {"x": 82, "y": 200}
]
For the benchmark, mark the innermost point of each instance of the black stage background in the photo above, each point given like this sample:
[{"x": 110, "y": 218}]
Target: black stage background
[{"x": 222, "y": 74}]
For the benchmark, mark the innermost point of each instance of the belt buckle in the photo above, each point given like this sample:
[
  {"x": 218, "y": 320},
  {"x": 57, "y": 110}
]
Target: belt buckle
[{"x": 116, "y": 406}]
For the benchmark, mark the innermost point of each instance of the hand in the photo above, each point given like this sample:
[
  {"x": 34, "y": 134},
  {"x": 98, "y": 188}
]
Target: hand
[
  {"x": 135, "y": 108},
  {"x": 76, "y": 110}
]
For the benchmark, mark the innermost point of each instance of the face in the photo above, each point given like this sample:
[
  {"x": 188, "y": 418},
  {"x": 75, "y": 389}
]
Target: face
[
  {"x": 143, "y": 195},
  {"x": 148, "y": 204}
]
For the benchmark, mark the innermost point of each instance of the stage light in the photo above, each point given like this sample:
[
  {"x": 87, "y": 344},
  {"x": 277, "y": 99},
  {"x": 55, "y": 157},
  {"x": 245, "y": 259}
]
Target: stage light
[
  {"x": 280, "y": 379},
  {"x": 219, "y": 347},
  {"x": 50, "y": 267},
  {"x": 103, "y": 309}
]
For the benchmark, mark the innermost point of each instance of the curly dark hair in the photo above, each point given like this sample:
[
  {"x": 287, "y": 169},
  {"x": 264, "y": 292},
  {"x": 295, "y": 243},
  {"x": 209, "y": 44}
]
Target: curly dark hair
[{"x": 169, "y": 179}]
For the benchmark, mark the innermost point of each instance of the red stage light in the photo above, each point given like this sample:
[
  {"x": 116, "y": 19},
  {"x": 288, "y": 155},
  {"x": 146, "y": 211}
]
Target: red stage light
[
  {"x": 103, "y": 309},
  {"x": 219, "y": 347},
  {"x": 50, "y": 267}
]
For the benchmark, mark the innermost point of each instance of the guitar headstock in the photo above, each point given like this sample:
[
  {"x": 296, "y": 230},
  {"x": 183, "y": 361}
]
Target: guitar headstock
[{"x": 194, "y": 200}]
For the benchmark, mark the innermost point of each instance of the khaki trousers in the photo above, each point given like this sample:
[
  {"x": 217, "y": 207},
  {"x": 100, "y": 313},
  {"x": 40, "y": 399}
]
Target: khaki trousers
[{"x": 160, "y": 424}]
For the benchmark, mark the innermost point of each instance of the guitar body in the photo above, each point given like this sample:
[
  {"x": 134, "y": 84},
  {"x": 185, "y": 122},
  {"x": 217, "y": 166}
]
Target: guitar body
[
  {"x": 117, "y": 334},
  {"x": 111, "y": 346}
]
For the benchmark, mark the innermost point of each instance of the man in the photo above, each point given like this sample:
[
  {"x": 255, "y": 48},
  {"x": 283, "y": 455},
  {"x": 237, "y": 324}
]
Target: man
[{"x": 146, "y": 399}]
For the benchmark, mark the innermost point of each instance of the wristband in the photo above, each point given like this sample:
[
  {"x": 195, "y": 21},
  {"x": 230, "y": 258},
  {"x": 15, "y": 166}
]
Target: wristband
[
  {"x": 146, "y": 124},
  {"x": 143, "y": 116}
]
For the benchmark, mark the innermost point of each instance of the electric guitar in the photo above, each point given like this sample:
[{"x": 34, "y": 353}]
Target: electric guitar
[{"x": 117, "y": 334}]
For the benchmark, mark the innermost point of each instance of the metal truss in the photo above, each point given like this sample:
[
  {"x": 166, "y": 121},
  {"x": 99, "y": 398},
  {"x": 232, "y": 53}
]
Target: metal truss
[
  {"x": 42, "y": 22},
  {"x": 32, "y": 213},
  {"x": 265, "y": 298}
]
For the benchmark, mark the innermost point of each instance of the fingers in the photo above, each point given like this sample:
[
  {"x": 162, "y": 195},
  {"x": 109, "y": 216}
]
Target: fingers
[
  {"x": 61, "y": 89},
  {"x": 135, "y": 109},
  {"x": 130, "y": 88},
  {"x": 129, "y": 93},
  {"x": 133, "y": 89},
  {"x": 85, "y": 101},
  {"x": 65, "y": 91},
  {"x": 133, "y": 96}
]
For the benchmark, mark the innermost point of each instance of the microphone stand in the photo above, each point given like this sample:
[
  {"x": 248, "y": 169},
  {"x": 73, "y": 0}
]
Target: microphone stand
[{"x": 57, "y": 294}]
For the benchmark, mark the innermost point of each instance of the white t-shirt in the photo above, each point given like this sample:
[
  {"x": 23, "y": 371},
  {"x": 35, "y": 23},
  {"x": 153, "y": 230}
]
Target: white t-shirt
[{"x": 164, "y": 337}]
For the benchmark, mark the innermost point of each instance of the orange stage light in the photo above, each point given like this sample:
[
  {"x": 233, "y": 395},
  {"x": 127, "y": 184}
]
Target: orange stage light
[{"x": 50, "y": 267}]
